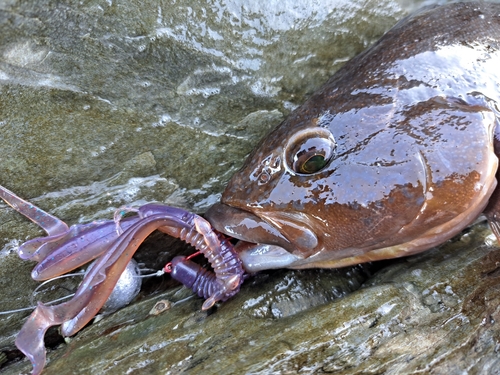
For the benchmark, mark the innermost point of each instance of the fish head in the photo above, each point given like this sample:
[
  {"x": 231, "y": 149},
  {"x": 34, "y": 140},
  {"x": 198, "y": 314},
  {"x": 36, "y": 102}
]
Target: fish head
[
  {"x": 392, "y": 156},
  {"x": 316, "y": 184},
  {"x": 366, "y": 182}
]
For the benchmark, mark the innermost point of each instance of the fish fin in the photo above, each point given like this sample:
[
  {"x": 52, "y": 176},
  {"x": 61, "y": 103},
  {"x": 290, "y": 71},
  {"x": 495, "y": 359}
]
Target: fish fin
[
  {"x": 495, "y": 228},
  {"x": 492, "y": 212}
]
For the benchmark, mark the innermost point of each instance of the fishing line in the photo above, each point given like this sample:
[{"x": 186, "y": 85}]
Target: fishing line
[{"x": 37, "y": 291}]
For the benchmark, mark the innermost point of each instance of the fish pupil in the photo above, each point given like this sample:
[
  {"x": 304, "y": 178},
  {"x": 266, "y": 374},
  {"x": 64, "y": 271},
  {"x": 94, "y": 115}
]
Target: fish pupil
[{"x": 314, "y": 164}]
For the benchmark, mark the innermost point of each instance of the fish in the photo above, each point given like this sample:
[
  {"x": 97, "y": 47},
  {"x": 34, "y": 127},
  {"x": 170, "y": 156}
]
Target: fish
[{"x": 395, "y": 154}]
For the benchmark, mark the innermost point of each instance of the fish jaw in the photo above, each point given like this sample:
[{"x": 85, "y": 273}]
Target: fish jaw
[{"x": 267, "y": 240}]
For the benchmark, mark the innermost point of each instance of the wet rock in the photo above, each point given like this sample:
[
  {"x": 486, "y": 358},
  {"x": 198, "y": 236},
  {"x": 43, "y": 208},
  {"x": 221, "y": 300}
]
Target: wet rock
[
  {"x": 104, "y": 104},
  {"x": 388, "y": 326}
]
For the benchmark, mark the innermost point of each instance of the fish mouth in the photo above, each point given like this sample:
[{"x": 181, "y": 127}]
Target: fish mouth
[{"x": 268, "y": 240}]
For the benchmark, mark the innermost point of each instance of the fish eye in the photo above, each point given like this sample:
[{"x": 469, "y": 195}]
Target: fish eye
[{"x": 310, "y": 151}]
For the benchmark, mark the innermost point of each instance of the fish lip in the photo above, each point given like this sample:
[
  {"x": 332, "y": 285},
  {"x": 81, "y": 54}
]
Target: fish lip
[
  {"x": 244, "y": 225},
  {"x": 270, "y": 228}
]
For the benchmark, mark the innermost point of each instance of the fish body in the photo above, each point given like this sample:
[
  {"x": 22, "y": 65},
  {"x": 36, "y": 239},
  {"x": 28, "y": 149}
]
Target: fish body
[{"x": 395, "y": 154}]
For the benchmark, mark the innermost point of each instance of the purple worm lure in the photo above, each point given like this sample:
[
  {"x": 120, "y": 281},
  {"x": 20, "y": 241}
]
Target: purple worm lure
[{"x": 113, "y": 243}]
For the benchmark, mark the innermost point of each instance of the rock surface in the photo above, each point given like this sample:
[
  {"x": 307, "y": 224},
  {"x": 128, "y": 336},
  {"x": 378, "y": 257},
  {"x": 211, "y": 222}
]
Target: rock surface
[{"x": 108, "y": 103}]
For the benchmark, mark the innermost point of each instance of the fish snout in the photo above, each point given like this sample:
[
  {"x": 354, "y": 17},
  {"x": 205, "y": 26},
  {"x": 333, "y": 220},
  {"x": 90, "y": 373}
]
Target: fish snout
[{"x": 281, "y": 229}]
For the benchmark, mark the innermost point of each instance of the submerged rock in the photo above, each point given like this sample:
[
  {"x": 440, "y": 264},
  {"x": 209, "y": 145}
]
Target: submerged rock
[{"x": 105, "y": 104}]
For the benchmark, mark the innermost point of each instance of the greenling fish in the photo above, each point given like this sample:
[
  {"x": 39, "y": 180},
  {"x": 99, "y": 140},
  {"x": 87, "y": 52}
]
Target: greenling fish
[{"x": 395, "y": 154}]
